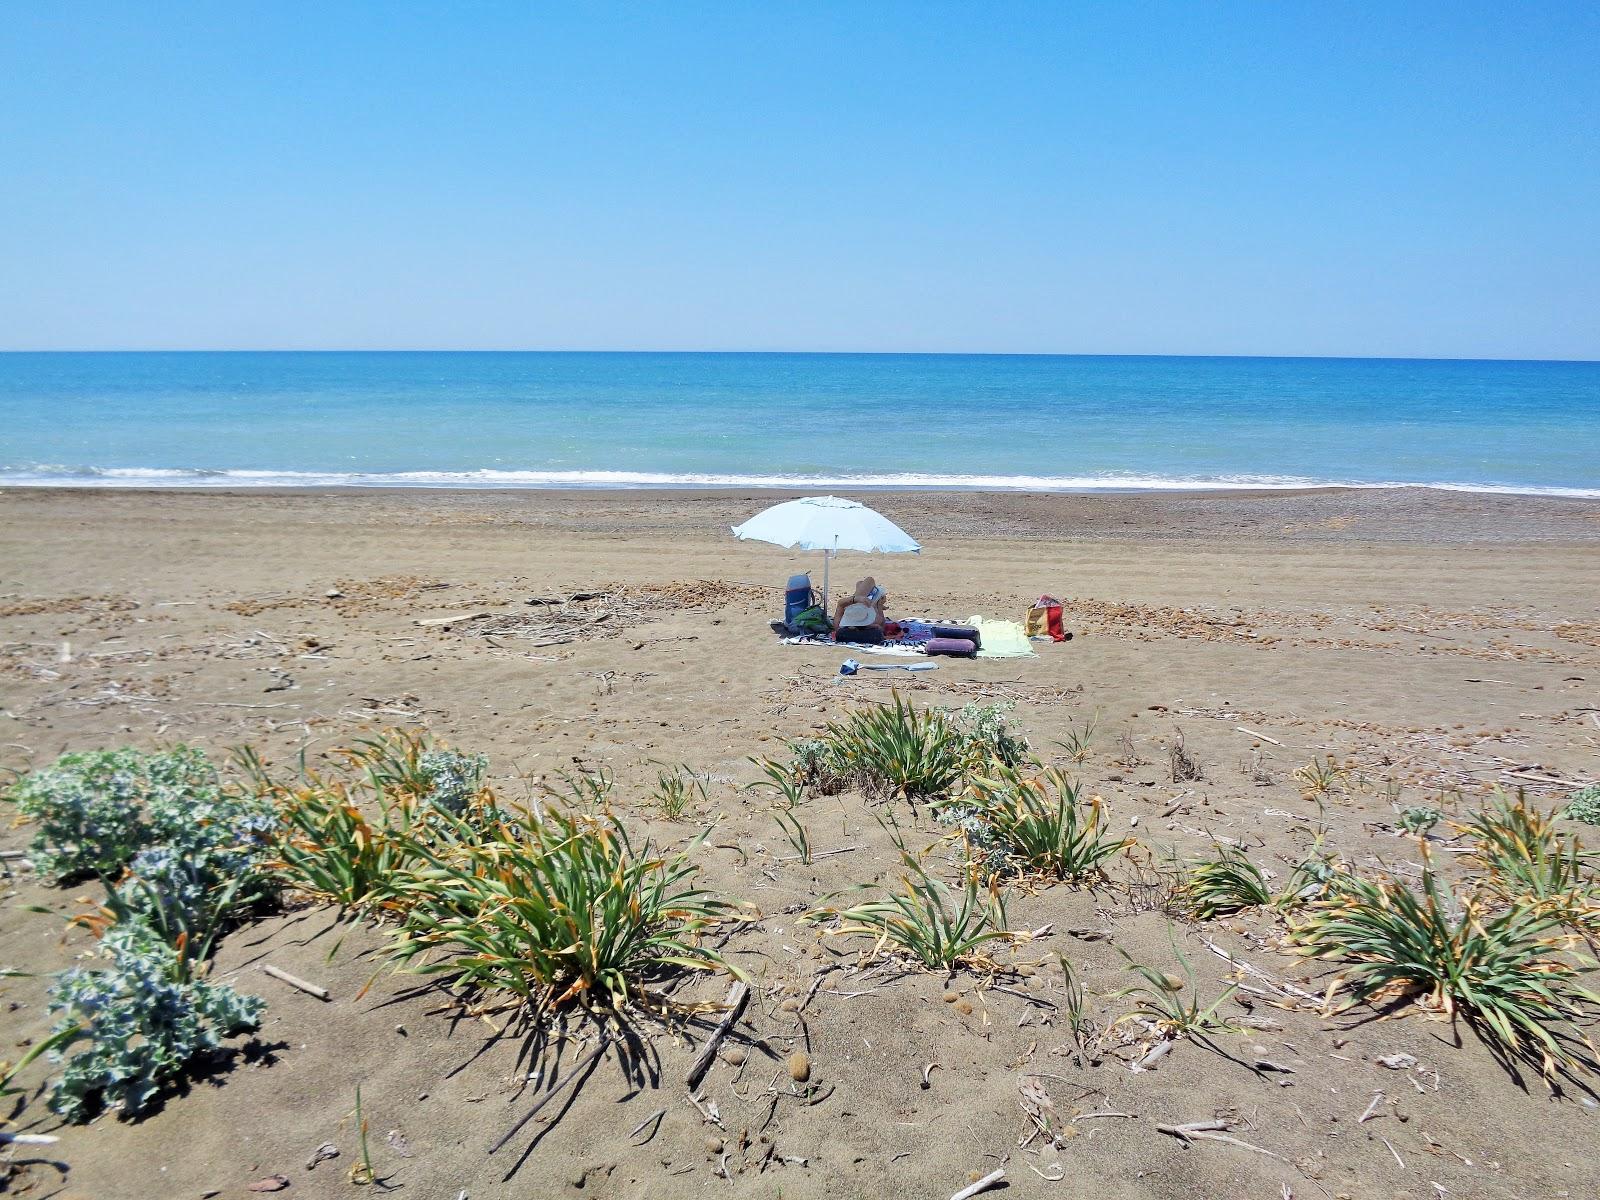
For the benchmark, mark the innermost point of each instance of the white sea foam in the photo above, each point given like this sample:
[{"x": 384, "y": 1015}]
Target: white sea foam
[{"x": 165, "y": 477}]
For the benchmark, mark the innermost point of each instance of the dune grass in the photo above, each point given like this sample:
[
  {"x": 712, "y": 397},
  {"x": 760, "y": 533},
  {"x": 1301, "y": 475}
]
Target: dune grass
[
  {"x": 555, "y": 908},
  {"x": 1506, "y": 968}
]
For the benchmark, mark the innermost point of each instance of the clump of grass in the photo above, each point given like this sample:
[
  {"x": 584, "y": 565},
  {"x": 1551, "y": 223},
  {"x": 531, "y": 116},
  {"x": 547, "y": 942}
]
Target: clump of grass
[
  {"x": 926, "y": 921},
  {"x": 587, "y": 790},
  {"x": 786, "y": 782},
  {"x": 1230, "y": 882},
  {"x": 328, "y": 848},
  {"x": 555, "y": 908},
  {"x": 897, "y": 750},
  {"x": 1227, "y": 883},
  {"x": 1036, "y": 823},
  {"x": 1505, "y": 969},
  {"x": 1418, "y": 819},
  {"x": 347, "y": 836},
  {"x": 406, "y": 765},
  {"x": 1077, "y": 740},
  {"x": 1075, "y": 1004},
  {"x": 790, "y": 825},
  {"x": 677, "y": 791},
  {"x": 1526, "y": 858},
  {"x": 1318, "y": 778},
  {"x": 1584, "y": 805},
  {"x": 1172, "y": 1003}
]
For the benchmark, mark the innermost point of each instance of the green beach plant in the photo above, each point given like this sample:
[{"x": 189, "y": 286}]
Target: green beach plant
[
  {"x": 93, "y": 812},
  {"x": 1078, "y": 739},
  {"x": 990, "y": 735},
  {"x": 1584, "y": 805},
  {"x": 795, "y": 832},
  {"x": 1172, "y": 1003},
  {"x": 1418, "y": 819},
  {"x": 897, "y": 750},
  {"x": 554, "y": 909},
  {"x": 677, "y": 791},
  {"x": 785, "y": 782},
  {"x": 1037, "y": 824},
  {"x": 1524, "y": 857},
  {"x": 140, "y": 1022},
  {"x": 405, "y": 766},
  {"x": 925, "y": 921},
  {"x": 330, "y": 849},
  {"x": 1228, "y": 882},
  {"x": 1505, "y": 968}
]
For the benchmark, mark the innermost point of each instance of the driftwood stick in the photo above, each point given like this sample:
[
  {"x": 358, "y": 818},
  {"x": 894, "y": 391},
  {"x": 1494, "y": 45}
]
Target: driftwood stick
[
  {"x": 27, "y": 1139},
  {"x": 294, "y": 981},
  {"x": 738, "y": 997},
  {"x": 655, "y": 1117},
  {"x": 1211, "y": 1131},
  {"x": 451, "y": 620},
  {"x": 576, "y": 1073},
  {"x": 1256, "y": 733},
  {"x": 983, "y": 1185},
  {"x": 1258, "y": 973},
  {"x": 1372, "y": 1109}
]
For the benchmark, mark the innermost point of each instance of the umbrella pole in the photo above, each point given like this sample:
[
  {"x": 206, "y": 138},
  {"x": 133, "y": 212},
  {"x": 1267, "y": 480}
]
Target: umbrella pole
[{"x": 827, "y": 556}]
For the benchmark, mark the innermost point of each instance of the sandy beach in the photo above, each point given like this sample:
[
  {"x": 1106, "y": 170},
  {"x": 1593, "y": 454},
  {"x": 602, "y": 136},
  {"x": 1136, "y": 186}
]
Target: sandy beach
[{"x": 1435, "y": 644}]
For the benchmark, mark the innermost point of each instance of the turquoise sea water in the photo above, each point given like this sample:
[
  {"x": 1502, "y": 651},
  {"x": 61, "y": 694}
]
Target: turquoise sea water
[{"x": 806, "y": 420}]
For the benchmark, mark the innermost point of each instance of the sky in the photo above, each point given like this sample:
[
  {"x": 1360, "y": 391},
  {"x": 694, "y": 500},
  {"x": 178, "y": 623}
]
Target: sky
[{"x": 1382, "y": 179}]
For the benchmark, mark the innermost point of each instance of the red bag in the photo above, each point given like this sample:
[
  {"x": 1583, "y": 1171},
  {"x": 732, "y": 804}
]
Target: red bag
[{"x": 1044, "y": 620}]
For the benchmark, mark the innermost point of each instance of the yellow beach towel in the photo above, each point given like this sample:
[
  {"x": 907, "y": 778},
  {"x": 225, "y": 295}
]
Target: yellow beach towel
[{"x": 1001, "y": 639}]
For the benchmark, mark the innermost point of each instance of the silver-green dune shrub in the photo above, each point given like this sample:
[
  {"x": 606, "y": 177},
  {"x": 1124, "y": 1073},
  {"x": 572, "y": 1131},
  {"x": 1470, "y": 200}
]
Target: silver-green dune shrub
[
  {"x": 139, "y": 1021},
  {"x": 1584, "y": 805},
  {"x": 454, "y": 779},
  {"x": 94, "y": 812}
]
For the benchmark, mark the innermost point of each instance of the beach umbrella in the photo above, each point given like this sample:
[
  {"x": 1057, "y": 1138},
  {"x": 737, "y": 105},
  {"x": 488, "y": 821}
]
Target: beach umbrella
[{"x": 829, "y": 524}]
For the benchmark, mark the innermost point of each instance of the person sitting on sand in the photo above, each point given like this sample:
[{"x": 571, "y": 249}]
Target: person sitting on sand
[{"x": 859, "y": 617}]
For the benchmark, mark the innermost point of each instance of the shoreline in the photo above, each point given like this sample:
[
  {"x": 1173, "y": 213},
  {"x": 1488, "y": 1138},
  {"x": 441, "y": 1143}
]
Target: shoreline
[
  {"x": 617, "y": 481},
  {"x": 1312, "y": 516}
]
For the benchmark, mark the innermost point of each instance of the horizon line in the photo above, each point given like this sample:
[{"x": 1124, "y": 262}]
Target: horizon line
[{"x": 817, "y": 353}]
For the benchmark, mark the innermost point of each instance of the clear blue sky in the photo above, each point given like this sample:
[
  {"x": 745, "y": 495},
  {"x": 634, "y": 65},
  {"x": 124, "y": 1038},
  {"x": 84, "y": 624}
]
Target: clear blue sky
[{"x": 1274, "y": 178}]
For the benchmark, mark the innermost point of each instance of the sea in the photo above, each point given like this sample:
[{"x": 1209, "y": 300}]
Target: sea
[{"x": 794, "y": 421}]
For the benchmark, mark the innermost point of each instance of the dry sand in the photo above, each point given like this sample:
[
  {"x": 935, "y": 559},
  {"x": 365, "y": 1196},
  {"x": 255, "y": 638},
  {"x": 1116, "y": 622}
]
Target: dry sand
[{"x": 1444, "y": 643}]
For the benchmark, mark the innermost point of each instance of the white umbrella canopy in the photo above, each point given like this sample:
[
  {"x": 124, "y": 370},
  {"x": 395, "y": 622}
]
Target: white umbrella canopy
[{"x": 829, "y": 524}]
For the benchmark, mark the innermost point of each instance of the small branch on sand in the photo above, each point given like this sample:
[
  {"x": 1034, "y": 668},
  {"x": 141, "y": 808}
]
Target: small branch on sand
[
  {"x": 294, "y": 981},
  {"x": 819, "y": 854},
  {"x": 655, "y": 1118},
  {"x": 983, "y": 1185},
  {"x": 1256, "y": 733},
  {"x": 1039, "y": 1000},
  {"x": 738, "y": 997},
  {"x": 708, "y": 1111},
  {"x": 1211, "y": 1131},
  {"x": 1093, "y": 1116},
  {"x": 1372, "y": 1109},
  {"x": 1548, "y": 780},
  {"x": 457, "y": 617},
  {"x": 1257, "y": 973}
]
